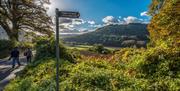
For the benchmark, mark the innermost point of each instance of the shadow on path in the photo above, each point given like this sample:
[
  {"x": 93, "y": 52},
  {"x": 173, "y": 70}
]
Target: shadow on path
[
  {"x": 8, "y": 73},
  {"x": 5, "y": 72}
]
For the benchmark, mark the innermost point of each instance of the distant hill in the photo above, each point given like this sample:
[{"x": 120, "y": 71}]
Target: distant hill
[{"x": 115, "y": 35}]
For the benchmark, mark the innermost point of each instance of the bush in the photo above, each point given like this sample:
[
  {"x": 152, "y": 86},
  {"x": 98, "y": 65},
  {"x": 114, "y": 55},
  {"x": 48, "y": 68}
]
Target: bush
[
  {"x": 94, "y": 75},
  {"x": 25, "y": 45},
  {"x": 158, "y": 62},
  {"x": 46, "y": 48},
  {"x": 98, "y": 48},
  {"x": 158, "y": 66}
]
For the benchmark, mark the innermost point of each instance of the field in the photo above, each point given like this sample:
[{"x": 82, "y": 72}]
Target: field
[{"x": 86, "y": 47}]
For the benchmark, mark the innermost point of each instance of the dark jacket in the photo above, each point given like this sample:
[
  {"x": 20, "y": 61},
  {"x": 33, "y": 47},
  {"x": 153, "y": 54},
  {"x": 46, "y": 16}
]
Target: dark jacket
[{"x": 15, "y": 53}]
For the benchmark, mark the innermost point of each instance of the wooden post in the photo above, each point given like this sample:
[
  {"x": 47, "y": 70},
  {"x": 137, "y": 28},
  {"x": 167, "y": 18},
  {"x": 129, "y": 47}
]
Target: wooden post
[{"x": 57, "y": 50}]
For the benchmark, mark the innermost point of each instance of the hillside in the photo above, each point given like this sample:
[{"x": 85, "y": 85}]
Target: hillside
[{"x": 115, "y": 35}]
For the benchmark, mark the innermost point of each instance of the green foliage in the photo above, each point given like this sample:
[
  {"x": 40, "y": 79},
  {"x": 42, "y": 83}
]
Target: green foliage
[
  {"x": 45, "y": 47},
  {"x": 157, "y": 62},
  {"x": 25, "y": 45},
  {"x": 154, "y": 69},
  {"x": 88, "y": 75},
  {"x": 99, "y": 49},
  {"x": 21, "y": 15},
  {"x": 155, "y": 6},
  {"x": 95, "y": 75},
  {"x": 6, "y": 46},
  {"x": 164, "y": 26}
]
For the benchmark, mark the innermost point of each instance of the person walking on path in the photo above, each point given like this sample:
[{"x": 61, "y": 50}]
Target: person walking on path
[
  {"x": 15, "y": 57},
  {"x": 28, "y": 55}
]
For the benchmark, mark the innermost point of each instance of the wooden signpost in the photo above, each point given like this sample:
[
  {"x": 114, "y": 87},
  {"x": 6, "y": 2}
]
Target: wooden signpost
[{"x": 59, "y": 14}]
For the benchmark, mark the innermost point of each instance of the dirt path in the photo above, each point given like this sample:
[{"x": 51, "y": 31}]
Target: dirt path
[{"x": 8, "y": 73}]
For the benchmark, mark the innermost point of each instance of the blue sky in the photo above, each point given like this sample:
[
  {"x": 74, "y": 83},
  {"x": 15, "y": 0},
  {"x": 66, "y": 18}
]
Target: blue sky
[{"x": 98, "y": 12}]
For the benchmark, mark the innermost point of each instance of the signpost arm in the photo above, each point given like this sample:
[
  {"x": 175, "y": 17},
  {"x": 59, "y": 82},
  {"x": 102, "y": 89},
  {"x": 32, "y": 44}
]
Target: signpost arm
[{"x": 57, "y": 50}]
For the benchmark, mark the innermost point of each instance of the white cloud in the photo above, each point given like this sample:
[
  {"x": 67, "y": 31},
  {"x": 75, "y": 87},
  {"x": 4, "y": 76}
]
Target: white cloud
[
  {"x": 96, "y": 26},
  {"x": 78, "y": 21},
  {"x": 91, "y": 22},
  {"x": 71, "y": 21},
  {"x": 145, "y": 13},
  {"x": 132, "y": 19},
  {"x": 70, "y": 24},
  {"x": 109, "y": 20},
  {"x": 120, "y": 20},
  {"x": 66, "y": 26}
]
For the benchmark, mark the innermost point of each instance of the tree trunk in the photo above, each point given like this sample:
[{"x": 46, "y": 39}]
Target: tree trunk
[{"x": 15, "y": 34}]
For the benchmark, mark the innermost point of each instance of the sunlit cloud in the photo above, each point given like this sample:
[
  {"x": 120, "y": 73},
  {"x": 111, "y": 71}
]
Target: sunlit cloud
[
  {"x": 109, "y": 20},
  {"x": 91, "y": 22},
  {"x": 145, "y": 13},
  {"x": 78, "y": 21},
  {"x": 132, "y": 19}
]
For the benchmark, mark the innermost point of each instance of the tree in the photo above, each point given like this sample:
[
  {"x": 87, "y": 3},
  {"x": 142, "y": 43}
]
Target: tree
[
  {"x": 156, "y": 6},
  {"x": 21, "y": 15},
  {"x": 165, "y": 24}
]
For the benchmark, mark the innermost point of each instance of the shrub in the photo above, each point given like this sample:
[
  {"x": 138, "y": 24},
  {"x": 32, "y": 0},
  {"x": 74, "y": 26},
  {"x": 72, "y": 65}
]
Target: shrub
[
  {"x": 93, "y": 75},
  {"x": 99, "y": 49},
  {"x": 46, "y": 48},
  {"x": 160, "y": 62},
  {"x": 25, "y": 45},
  {"x": 158, "y": 66}
]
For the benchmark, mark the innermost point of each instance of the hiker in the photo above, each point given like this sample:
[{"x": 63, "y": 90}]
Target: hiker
[
  {"x": 15, "y": 57},
  {"x": 28, "y": 55}
]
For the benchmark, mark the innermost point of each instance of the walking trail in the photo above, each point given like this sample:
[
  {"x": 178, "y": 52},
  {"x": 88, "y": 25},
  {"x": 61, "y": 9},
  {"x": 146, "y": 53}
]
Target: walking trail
[{"x": 8, "y": 73}]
